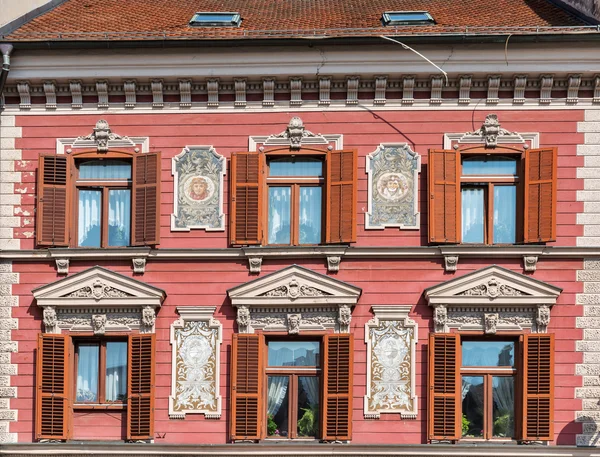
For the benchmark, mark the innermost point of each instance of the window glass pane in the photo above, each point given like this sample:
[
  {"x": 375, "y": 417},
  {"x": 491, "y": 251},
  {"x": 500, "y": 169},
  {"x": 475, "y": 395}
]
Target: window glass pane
[
  {"x": 278, "y": 406},
  {"x": 505, "y": 214},
  {"x": 294, "y": 354},
  {"x": 489, "y": 165},
  {"x": 310, "y": 215},
  {"x": 119, "y": 217},
  {"x": 503, "y": 412},
  {"x": 87, "y": 372},
  {"x": 488, "y": 354},
  {"x": 279, "y": 215},
  {"x": 116, "y": 370},
  {"x": 89, "y": 218},
  {"x": 308, "y": 406},
  {"x": 473, "y": 397},
  {"x": 105, "y": 169},
  {"x": 472, "y": 214},
  {"x": 298, "y": 166}
]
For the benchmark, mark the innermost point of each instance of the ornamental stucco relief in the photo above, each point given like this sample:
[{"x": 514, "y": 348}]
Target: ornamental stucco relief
[
  {"x": 196, "y": 341},
  {"x": 391, "y": 342}
]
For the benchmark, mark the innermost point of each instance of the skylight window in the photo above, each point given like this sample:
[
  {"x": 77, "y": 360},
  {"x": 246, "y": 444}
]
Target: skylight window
[
  {"x": 407, "y": 18},
  {"x": 208, "y": 19}
]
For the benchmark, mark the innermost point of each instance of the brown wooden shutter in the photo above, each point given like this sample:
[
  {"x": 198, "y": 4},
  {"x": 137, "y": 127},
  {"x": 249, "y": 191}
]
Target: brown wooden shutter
[
  {"x": 341, "y": 196},
  {"x": 52, "y": 228},
  {"x": 538, "y": 387},
  {"x": 52, "y": 399},
  {"x": 145, "y": 219},
  {"x": 337, "y": 387},
  {"x": 540, "y": 195},
  {"x": 140, "y": 387},
  {"x": 246, "y": 386},
  {"x": 444, "y": 196},
  {"x": 245, "y": 207},
  {"x": 444, "y": 412}
]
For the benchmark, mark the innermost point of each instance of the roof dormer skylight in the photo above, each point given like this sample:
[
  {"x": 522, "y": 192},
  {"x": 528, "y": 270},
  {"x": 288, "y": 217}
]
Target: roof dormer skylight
[
  {"x": 216, "y": 19},
  {"x": 407, "y": 18}
]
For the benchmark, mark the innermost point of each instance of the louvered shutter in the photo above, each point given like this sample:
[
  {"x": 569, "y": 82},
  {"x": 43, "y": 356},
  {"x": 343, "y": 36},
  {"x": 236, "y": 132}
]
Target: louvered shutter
[
  {"x": 540, "y": 195},
  {"x": 538, "y": 387},
  {"x": 246, "y": 386},
  {"x": 341, "y": 192},
  {"x": 444, "y": 399},
  {"x": 337, "y": 387},
  {"x": 444, "y": 196},
  {"x": 140, "y": 387},
  {"x": 145, "y": 218},
  {"x": 245, "y": 207},
  {"x": 52, "y": 400},
  {"x": 52, "y": 227}
]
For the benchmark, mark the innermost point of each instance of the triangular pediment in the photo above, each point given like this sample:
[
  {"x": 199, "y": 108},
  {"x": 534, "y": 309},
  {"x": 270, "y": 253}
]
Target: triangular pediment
[
  {"x": 493, "y": 284},
  {"x": 295, "y": 285},
  {"x": 100, "y": 286}
]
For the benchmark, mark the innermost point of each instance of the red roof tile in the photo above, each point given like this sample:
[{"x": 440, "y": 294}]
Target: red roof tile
[{"x": 168, "y": 19}]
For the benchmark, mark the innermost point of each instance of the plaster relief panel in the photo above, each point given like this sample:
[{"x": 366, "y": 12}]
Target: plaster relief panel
[
  {"x": 198, "y": 189},
  {"x": 196, "y": 344},
  {"x": 391, "y": 338},
  {"x": 393, "y": 171}
]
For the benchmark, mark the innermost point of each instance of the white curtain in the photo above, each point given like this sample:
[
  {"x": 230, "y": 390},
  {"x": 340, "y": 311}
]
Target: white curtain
[
  {"x": 277, "y": 390},
  {"x": 89, "y": 218},
  {"x": 87, "y": 373},
  {"x": 310, "y": 384},
  {"x": 310, "y": 215},
  {"x": 119, "y": 217},
  {"x": 116, "y": 370},
  {"x": 279, "y": 215},
  {"x": 472, "y": 215},
  {"x": 504, "y": 393}
]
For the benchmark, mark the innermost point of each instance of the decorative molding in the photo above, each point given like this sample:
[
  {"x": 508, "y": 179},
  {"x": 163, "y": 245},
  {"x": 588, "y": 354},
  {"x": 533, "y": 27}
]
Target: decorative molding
[
  {"x": 240, "y": 92},
  {"x": 185, "y": 93},
  {"x": 295, "y": 91},
  {"x": 546, "y": 83},
  {"x": 520, "y": 82},
  {"x": 391, "y": 338},
  {"x": 352, "y": 83},
  {"x": 464, "y": 97},
  {"x": 50, "y": 93},
  {"x": 530, "y": 263},
  {"x": 493, "y": 89},
  {"x": 393, "y": 187},
  {"x": 24, "y": 95},
  {"x": 129, "y": 87},
  {"x": 333, "y": 263},
  {"x": 212, "y": 87},
  {"x": 156, "y": 86},
  {"x": 325, "y": 91},
  {"x": 573, "y": 89},
  {"x": 76, "y": 96},
  {"x": 255, "y": 264},
  {"x": 491, "y": 134},
  {"x": 196, "y": 339},
  {"x": 100, "y": 301},
  {"x": 295, "y": 136},
  {"x": 408, "y": 87},
  {"x": 139, "y": 265},
  {"x": 266, "y": 303},
  {"x": 380, "y": 87},
  {"x": 62, "y": 266},
  {"x": 492, "y": 299},
  {"x": 101, "y": 136},
  {"x": 198, "y": 173},
  {"x": 268, "y": 92},
  {"x": 450, "y": 262},
  {"x": 437, "y": 83},
  {"x": 102, "y": 91}
]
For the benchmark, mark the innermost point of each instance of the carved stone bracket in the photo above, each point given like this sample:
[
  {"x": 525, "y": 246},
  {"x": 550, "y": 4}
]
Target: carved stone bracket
[
  {"x": 450, "y": 262},
  {"x": 62, "y": 266},
  {"x": 139, "y": 265},
  {"x": 296, "y": 136},
  {"x": 391, "y": 338},
  {"x": 101, "y": 136},
  {"x": 196, "y": 339},
  {"x": 333, "y": 263},
  {"x": 50, "y": 320},
  {"x": 530, "y": 262},
  {"x": 255, "y": 264}
]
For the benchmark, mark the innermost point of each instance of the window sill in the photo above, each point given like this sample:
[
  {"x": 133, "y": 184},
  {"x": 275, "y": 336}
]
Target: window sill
[{"x": 100, "y": 407}]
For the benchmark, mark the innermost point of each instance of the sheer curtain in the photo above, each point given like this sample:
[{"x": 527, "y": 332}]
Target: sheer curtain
[
  {"x": 472, "y": 215},
  {"x": 505, "y": 214},
  {"x": 279, "y": 215},
  {"x": 116, "y": 370},
  {"x": 310, "y": 215},
  {"x": 310, "y": 384},
  {"x": 277, "y": 389},
  {"x": 89, "y": 218},
  {"x": 87, "y": 373},
  {"x": 119, "y": 217}
]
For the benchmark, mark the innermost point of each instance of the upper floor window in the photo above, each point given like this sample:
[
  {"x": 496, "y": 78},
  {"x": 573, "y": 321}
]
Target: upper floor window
[
  {"x": 501, "y": 196},
  {"x": 97, "y": 200},
  {"x": 302, "y": 198}
]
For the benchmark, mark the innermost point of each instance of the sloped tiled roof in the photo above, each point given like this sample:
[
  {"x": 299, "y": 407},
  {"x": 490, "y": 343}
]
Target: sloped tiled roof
[{"x": 94, "y": 20}]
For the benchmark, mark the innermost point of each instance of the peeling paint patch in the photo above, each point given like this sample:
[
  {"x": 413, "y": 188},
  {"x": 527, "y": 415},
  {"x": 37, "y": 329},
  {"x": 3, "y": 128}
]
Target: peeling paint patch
[
  {"x": 19, "y": 211},
  {"x": 28, "y": 234},
  {"x": 27, "y": 222},
  {"x": 21, "y": 190}
]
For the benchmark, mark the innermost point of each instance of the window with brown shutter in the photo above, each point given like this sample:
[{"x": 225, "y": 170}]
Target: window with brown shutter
[
  {"x": 97, "y": 200},
  {"x": 307, "y": 197},
  {"x": 52, "y": 377},
  {"x": 538, "y": 387},
  {"x": 140, "y": 387},
  {"x": 337, "y": 387},
  {"x": 247, "y": 374},
  {"x": 492, "y": 196}
]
